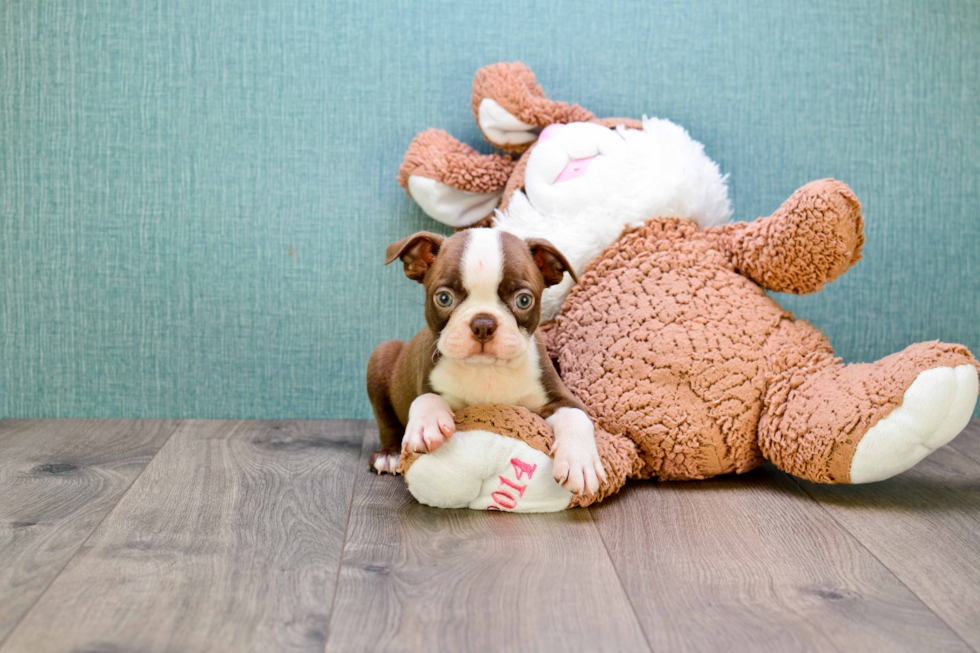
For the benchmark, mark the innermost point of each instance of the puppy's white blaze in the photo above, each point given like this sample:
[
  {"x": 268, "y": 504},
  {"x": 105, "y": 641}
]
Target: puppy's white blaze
[{"x": 483, "y": 266}]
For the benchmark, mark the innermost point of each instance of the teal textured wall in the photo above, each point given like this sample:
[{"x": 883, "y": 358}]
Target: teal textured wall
[{"x": 195, "y": 195}]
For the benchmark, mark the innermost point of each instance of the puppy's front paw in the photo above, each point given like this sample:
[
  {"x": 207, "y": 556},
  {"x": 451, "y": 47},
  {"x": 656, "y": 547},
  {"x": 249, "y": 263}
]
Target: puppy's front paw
[
  {"x": 577, "y": 465},
  {"x": 384, "y": 462},
  {"x": 428, "y": 432},
  {"x": 579, "y": 470}
]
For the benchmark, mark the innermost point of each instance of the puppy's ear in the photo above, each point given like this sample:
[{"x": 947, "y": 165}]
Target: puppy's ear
[
  {"x": 417, "y": 252},
  {"x": 550, "y": 261}
]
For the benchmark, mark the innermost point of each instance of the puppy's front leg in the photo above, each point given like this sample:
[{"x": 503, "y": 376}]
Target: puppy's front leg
[
  {"x": 577, "y": 465},
  {"x": 430, "y": 423}
]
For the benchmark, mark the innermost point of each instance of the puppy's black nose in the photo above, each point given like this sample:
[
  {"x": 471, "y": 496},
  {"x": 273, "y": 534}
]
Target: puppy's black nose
[{"x": 483, "y": 326}]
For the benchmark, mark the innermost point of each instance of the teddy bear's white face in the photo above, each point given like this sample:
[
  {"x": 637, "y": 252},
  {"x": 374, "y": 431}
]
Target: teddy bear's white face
[
  {"x": 584, "y": 183},
  {"x": 585, "y": 169},
  {"x": 570, "y": 166}
]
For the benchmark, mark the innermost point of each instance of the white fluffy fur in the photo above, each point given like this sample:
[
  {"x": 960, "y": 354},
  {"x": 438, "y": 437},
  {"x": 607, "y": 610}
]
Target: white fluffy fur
[{"x": 657, "y": 172}]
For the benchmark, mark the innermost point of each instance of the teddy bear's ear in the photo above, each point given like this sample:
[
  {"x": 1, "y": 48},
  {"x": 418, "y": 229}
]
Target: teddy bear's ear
[
  {"x": 512, "y": 109},
  {"x": 502, "y": 128},
  {"x": 452, "y": 182},
  {"x": 452, "y": 206}
]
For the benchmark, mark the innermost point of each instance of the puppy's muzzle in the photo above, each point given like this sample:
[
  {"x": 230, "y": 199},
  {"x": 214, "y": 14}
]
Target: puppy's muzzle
[{"x": 483, "y": 327}]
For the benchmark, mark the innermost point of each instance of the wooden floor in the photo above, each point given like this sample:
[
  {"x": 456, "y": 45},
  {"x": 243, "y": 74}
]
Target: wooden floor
[{"x": 120, "y": 536}]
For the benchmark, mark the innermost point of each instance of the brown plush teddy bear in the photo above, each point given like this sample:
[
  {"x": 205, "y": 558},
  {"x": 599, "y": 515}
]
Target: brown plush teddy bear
[{"x": 688, "y": 368}]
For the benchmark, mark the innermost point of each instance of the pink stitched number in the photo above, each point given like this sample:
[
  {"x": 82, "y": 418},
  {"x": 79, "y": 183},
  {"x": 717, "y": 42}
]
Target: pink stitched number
[
  {"x": 511, "y": 502},
  {"x": 521, "y": 467},
  {"x": 504, "y": 499},
  {"x": 516, "y": 486}
]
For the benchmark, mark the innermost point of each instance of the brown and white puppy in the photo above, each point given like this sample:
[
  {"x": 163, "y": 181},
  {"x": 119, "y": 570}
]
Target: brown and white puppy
[{"x": 482, "y": 305}]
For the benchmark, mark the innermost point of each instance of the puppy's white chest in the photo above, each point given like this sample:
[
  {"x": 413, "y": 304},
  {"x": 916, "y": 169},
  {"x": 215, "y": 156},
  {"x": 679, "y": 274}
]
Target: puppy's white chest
[{"x": 464, "y": 385}]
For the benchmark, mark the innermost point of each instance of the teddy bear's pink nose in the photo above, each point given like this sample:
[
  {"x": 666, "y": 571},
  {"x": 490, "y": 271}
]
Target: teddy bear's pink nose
[{"x": 550, "y": 130}]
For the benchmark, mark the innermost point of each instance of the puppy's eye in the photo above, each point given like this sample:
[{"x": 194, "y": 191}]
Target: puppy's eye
[
  {"x": 444, "y": 299},
  {"x": 524, "y": 301}
]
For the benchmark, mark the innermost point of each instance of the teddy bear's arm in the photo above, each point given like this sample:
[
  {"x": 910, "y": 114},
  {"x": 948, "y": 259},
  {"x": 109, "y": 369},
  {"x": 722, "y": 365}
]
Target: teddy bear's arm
[
  {"x": 452, "y": 182},
  {"x": 814, "y": 237}
]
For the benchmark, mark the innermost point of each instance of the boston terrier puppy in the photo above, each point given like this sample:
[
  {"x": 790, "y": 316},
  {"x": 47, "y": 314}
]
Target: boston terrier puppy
[{"x": 482, "y": 305}]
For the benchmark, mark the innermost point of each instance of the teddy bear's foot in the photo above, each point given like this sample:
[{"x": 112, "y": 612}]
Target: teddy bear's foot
[
  {"x": 935, "y": 408},
  {"x": 486, "y": 471},
  {"x": 833, "y": 423}
]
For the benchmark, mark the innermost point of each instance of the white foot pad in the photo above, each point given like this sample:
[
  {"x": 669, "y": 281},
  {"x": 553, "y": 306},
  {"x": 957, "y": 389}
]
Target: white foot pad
[
  {"x": 935, "y": 408},
  {"x": 486, "y": 471}
]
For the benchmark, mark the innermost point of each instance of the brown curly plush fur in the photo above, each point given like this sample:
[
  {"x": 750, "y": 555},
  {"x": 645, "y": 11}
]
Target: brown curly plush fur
[
  {"x": 669, "y": 343},
  {"x": 818, "y": 229}
]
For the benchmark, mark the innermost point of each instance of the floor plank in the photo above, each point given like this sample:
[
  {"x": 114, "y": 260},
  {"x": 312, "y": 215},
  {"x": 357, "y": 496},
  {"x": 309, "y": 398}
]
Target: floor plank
[
  {"x": 230, "y": 540},
  {"x": 924, "y": 525},
  {"x": 968, "y": 442},
  {"x": 415, "y": 578},
  {"x": 750, "y": 563},
  {"x": 58, "y": 480}
]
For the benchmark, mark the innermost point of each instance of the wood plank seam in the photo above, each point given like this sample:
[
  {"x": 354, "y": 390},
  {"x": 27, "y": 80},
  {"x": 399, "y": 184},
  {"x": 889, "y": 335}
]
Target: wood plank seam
[
  {"x": 343, "y": 547},
  {"x": 619, "y": 579},
  {"x": 879, "y": 560},
  {"x": 81, "y": 546}
]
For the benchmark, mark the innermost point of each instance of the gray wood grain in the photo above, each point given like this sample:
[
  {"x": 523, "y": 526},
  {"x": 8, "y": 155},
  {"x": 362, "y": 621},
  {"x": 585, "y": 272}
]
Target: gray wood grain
[
  {"x": 416, "y": 578},
  {"x": 58, "y": 480},
  {"x": 968, "y": 442},
  {"x": 750, "y": 563},
  {"x": 924, "y": 525},
  {"x": 230, "y": 540}
]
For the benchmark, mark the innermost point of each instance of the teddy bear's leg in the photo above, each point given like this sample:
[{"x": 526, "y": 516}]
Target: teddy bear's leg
[
  {"x": 834, "y": 423},
  {"x": 452, "y": 182}
]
